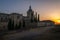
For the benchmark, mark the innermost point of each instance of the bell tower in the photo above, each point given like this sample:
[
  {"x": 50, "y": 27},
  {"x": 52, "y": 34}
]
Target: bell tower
[{"x": 30, "y": 13}]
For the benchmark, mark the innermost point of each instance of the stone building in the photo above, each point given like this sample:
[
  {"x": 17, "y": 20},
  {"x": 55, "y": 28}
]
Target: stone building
[
  {"x": 4, "y": 17},
  {"x": 46, "y": 23},
  {"x": 3, "y": 26},
  {"x": 30, "y": 14},
  {"x": 31, "y": 19},
  {"x": 16, "y": 18}
]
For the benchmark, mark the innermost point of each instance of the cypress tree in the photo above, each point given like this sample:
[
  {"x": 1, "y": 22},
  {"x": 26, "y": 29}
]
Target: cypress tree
[
  {"x": 35, "y": 17},
  {"x": 19, "y": 25},
  {"x": 23, "y": 24},
  {"x": 16, "y": 27},
  {"x": 9, "y": 24},
  {"x": 12, "y": 25},
  {"x": 38, "y": 17}
]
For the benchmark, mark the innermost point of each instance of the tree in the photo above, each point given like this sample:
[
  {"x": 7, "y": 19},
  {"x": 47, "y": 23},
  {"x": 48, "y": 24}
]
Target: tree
[
  {"x": 23, "y": 23},
  {"x": 16, "y": 27},
  {"x": 38, "y": 17},
  {"x": 9, "y": 24},
  {"x": 19, "y": 25},
  {"x": 12, "y": 25},
  {"x": 35, "y": 19}
]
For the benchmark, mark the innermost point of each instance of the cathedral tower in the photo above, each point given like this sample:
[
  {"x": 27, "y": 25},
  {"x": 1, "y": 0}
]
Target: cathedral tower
[{"x": 30, "y": 14}]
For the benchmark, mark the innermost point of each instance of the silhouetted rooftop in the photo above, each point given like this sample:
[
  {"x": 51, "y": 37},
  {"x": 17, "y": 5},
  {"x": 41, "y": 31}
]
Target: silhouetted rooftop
[{"x": 30, "y": 9}]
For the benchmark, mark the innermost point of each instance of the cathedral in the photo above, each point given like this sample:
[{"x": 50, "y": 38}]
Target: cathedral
[
  {"x": 31, "y": 19},
  {"x": 18, "y": 20},
  {"x": 31, "y": 16}
]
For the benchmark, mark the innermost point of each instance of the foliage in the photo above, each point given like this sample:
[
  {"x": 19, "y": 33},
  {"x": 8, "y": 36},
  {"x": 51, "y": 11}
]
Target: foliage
[{"x": 10, "y": 25}]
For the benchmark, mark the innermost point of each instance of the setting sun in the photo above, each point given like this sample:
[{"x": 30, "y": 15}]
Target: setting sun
[
  {"x": 55, "y": 17},
  {"x": 57, "y": 21}
]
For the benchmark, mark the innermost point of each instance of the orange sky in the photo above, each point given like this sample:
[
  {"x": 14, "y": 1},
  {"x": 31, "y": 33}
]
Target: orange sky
[{"x": 50, "y": 12}]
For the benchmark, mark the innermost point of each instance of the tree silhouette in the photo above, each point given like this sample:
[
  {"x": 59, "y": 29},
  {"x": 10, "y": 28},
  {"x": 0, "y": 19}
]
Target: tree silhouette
[
  {"x": 19, "y": 25},
  {"x": 23, "y": 23},
  {"x": 35, "y": 19},
  {"x": 12, "y": 25},
  {"x": 9, "y": 24},
  {"x": 38, "y": 17},
  {"x": 16, "y": 27}
]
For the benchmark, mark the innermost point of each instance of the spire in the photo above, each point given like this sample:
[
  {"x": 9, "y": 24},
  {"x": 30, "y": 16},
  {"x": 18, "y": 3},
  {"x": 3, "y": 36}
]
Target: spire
[
  {"x": 30, "y": 10},
  {"x": 30, "y": 7}
]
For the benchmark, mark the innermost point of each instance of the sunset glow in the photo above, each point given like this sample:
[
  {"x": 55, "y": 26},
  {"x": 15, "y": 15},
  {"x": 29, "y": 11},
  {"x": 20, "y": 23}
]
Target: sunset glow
[
  {"x": 57, "y": 21},
  {"x": 55, "y": 17}
]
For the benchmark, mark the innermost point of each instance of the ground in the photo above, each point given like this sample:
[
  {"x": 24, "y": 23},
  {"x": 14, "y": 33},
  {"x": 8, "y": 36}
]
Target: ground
[{"x": 42, "y": 33}]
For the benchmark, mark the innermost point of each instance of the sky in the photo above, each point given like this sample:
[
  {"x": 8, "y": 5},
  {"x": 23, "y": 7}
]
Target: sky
[{"x": 47, "y": 9}]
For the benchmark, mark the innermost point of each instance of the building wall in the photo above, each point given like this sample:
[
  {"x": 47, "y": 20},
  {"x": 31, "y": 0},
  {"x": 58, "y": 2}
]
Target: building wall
[
  {"x": 4, "y": 19},
  {"x": 3, "y": 26},
  {"x": 44, "y": 24}
]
